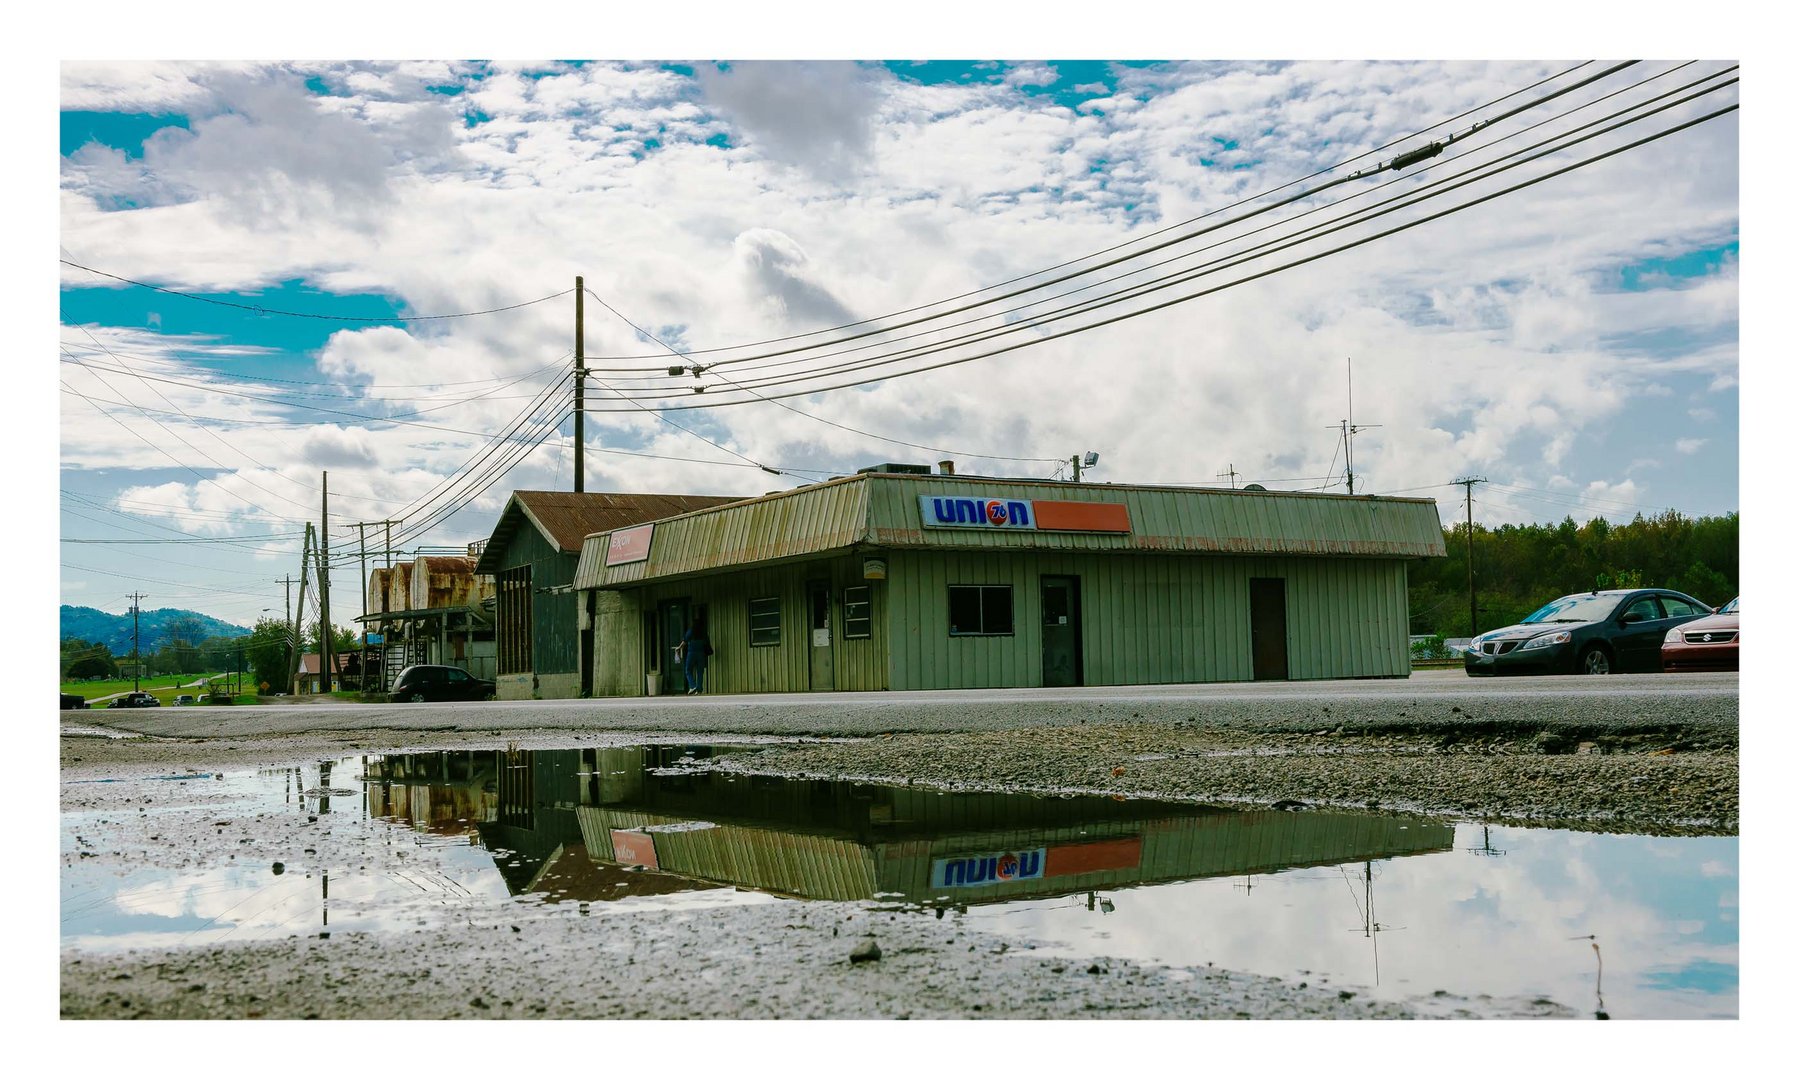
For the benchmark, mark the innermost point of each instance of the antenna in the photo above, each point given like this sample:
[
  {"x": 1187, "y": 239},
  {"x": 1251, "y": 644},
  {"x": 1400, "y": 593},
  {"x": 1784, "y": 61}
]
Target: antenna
[
  {"x": 1348, "y": 429},
  {"x": 1231, "y": 472}
]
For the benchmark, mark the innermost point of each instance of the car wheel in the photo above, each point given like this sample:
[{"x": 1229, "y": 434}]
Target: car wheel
[
  {"x": 1595, "y": 661},
  {"x": 416, "y": 696}
]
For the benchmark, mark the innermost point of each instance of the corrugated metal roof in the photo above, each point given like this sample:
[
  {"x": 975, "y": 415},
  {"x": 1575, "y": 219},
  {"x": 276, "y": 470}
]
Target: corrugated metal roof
[
  {"x": 565, "y": 518},
  {"x": 788, "y": 524},
  {"x": 882, "y": 510}
]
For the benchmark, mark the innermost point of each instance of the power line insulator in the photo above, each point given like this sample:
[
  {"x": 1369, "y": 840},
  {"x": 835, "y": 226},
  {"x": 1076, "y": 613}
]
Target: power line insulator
[{"x": 1413, "y": 157}]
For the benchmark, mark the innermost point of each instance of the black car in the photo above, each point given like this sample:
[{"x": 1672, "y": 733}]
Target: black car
[
  {"x": 441, "y": 682},
  {"x": 137, "y": 699},
  {"x": 73, "y": 701},
  {"x": 1593, "y": 633}
]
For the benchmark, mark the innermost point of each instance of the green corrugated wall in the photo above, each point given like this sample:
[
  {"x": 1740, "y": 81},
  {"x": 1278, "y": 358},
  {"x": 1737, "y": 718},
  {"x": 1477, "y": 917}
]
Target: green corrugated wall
[
  {"x": 737, "y": 667},
  {"x": 1147, "y": 619}
]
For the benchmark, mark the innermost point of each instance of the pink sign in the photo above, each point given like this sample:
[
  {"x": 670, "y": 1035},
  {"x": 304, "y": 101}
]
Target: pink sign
[{"x": 629, "y": 545}]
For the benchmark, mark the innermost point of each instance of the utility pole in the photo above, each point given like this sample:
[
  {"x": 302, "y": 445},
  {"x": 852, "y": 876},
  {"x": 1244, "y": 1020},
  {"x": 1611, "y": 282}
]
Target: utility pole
[
  {"x": 295, "y": 641},
  {"x": 137, "y": 654},
  {"x": 1468, "y": 483},
  {"x": 324, "y": 582},
  {"x": 580, "y": 388}
]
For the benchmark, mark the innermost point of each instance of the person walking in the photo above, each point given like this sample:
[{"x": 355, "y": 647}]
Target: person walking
[{"x": 696, "y": 647}]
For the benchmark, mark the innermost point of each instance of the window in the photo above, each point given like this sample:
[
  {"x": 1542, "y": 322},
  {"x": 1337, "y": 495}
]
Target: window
[
  {"x": 456, "y": 675},
  {"x": 1680, "y": 609},
  {"x": 765, "y": 622},
  {"x": 980, "y": 609},
  {"x": 857, "y": 618},
  {"x": 1644, "y": 609}
]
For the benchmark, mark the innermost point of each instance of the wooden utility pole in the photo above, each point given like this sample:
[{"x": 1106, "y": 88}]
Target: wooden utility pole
[
  {"x": 137, "y": 654},
  {"x": 1468, "y": 483},
  {"x": 296, "y": 642},
  {"x": 324, "y": 583},
  {"x": 580, "y": 388}
]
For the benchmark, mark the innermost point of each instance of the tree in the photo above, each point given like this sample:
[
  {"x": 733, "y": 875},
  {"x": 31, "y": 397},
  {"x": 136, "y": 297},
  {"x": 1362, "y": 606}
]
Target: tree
[
  {"x": 87, "y": 660},
  {"x": 268, "y": 652},
  {"x": 343, "y": 640}
]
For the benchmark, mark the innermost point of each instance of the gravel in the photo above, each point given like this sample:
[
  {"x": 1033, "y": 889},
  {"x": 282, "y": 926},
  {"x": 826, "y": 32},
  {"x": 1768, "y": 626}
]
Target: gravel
[{"x": 1643, "y": 756}]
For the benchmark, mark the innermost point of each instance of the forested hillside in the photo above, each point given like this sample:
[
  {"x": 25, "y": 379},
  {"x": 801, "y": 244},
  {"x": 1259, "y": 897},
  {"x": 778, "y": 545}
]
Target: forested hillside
[
  {"x": 156, "y": 628},
  {"x": 1517, "y": 568}
]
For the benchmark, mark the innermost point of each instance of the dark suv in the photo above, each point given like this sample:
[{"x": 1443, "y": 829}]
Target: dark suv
[{"x": 439, "y": 682}]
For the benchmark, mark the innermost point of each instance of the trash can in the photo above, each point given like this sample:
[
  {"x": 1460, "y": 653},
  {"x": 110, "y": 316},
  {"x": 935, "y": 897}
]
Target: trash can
[{"x": 652, "y": 683}]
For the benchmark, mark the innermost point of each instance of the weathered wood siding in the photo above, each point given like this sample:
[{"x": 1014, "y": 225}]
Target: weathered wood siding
[{"x": 554, "y": 630}]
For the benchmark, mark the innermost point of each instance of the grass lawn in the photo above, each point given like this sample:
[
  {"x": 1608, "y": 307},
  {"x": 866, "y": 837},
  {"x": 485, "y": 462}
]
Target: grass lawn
[{"x": 165, "y": 687}]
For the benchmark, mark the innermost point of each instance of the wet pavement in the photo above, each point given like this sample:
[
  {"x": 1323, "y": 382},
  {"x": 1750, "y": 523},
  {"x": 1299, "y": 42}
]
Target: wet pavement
[{"x": 1406, "y": 908}]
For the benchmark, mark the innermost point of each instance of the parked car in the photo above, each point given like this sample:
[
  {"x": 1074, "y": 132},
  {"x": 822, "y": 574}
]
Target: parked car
[
  {"x": 183, "y": 699},
  {"x": 73, "y": 701},
  {"x": 1594, "y": 633},
  {"x": 439, "y": 682},
  {"x": 1708, "y": 644},
  {"x": 137, "y": 699}
]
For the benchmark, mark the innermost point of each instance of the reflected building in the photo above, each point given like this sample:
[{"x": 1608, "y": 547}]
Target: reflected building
[{"x": 595, "y": 824}]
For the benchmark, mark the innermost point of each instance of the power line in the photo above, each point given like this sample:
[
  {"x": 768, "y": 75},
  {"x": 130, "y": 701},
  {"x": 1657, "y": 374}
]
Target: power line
[
  {"x": 1116, "y": 247},
  {"x": 260, "y": 310},
  {"x": 697, "y": 369},
  {"x": 1233, "y": 262}
]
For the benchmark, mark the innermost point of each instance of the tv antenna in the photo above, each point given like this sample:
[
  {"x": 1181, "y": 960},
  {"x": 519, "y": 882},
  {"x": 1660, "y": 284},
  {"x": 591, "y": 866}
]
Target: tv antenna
[{"x": 1347, "y": 427}]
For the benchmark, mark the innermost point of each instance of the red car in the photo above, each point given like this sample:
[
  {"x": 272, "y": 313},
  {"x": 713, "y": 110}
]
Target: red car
[{"x": 1708, "y": 644}]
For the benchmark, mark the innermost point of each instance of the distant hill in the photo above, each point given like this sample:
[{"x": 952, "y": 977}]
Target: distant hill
[{"x": 114, "y": 631}]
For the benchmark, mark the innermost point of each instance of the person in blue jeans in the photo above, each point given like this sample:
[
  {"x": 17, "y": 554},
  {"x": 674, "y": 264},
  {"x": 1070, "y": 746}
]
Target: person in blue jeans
[{"x": 696, "y": 647}]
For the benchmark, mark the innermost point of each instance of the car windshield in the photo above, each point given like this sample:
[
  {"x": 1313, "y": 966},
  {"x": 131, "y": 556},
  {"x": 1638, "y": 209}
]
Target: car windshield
[
  {"x": 1585, "y": 607},
  {"x": 1730, "y": 608}
]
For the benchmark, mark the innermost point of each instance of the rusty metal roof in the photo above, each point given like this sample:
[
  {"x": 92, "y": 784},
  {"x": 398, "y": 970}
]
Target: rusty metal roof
[
  {"x": 873, "y": 511},
  {"x": 565, "y": 518}
]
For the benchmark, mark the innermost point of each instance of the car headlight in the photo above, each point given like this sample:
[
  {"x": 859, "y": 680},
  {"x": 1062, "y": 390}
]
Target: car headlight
[
  {"x": 1559, "y": 638},
  {"x": 1473, "y": 646},
  {"x": 1672, "y": 637}
]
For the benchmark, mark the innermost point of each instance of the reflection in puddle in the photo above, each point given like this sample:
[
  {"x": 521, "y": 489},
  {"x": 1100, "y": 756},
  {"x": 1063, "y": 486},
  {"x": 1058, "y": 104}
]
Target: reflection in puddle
[{"x": 1630, "y": 926}]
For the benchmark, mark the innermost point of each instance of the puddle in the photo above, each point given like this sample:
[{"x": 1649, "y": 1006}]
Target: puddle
[{"x": 1394, "y": 906}]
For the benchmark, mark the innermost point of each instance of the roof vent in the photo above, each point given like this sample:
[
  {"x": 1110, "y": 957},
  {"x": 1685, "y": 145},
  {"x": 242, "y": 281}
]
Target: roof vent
[
  {"x": 1254, "y": 487},
  {"x": 897, "y": 467}
]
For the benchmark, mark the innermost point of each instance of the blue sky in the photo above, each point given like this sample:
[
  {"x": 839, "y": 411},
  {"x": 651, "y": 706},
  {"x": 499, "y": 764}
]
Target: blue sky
[{"x": 1575, "y": 342}]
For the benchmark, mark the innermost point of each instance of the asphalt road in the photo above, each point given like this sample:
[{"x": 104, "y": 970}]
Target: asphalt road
[{"x": 1427, "y": 700}]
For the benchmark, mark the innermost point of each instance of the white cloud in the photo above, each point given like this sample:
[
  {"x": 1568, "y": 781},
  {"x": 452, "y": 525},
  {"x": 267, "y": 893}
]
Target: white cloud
[
  {"x": 1689, "y": 446},
  {"x": 1494, "y": 340}
]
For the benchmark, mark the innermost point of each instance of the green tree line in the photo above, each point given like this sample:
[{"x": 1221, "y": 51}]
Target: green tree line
[
  {"x": 265, "y": 651},
  {"x": 1519, "y": 568}
]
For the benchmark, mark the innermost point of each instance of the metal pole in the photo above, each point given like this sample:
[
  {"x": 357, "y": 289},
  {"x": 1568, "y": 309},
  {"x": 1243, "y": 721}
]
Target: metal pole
[{"x": 580, "y": 389}]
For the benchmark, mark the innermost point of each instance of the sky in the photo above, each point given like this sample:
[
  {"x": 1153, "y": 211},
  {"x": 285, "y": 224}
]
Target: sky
[
  {"x": 298, "y": 229},
  {"x": 1575, "y": 342}
]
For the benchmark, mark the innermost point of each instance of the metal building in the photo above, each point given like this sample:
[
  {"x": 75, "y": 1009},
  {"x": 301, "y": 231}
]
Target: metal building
[
  {"x": 540, "y": 634},
  {"x": 894, "y": 581}
]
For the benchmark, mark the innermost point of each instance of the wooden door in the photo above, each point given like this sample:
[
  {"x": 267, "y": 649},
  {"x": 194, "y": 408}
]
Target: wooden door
[{"x": 1268, "y": 627}]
